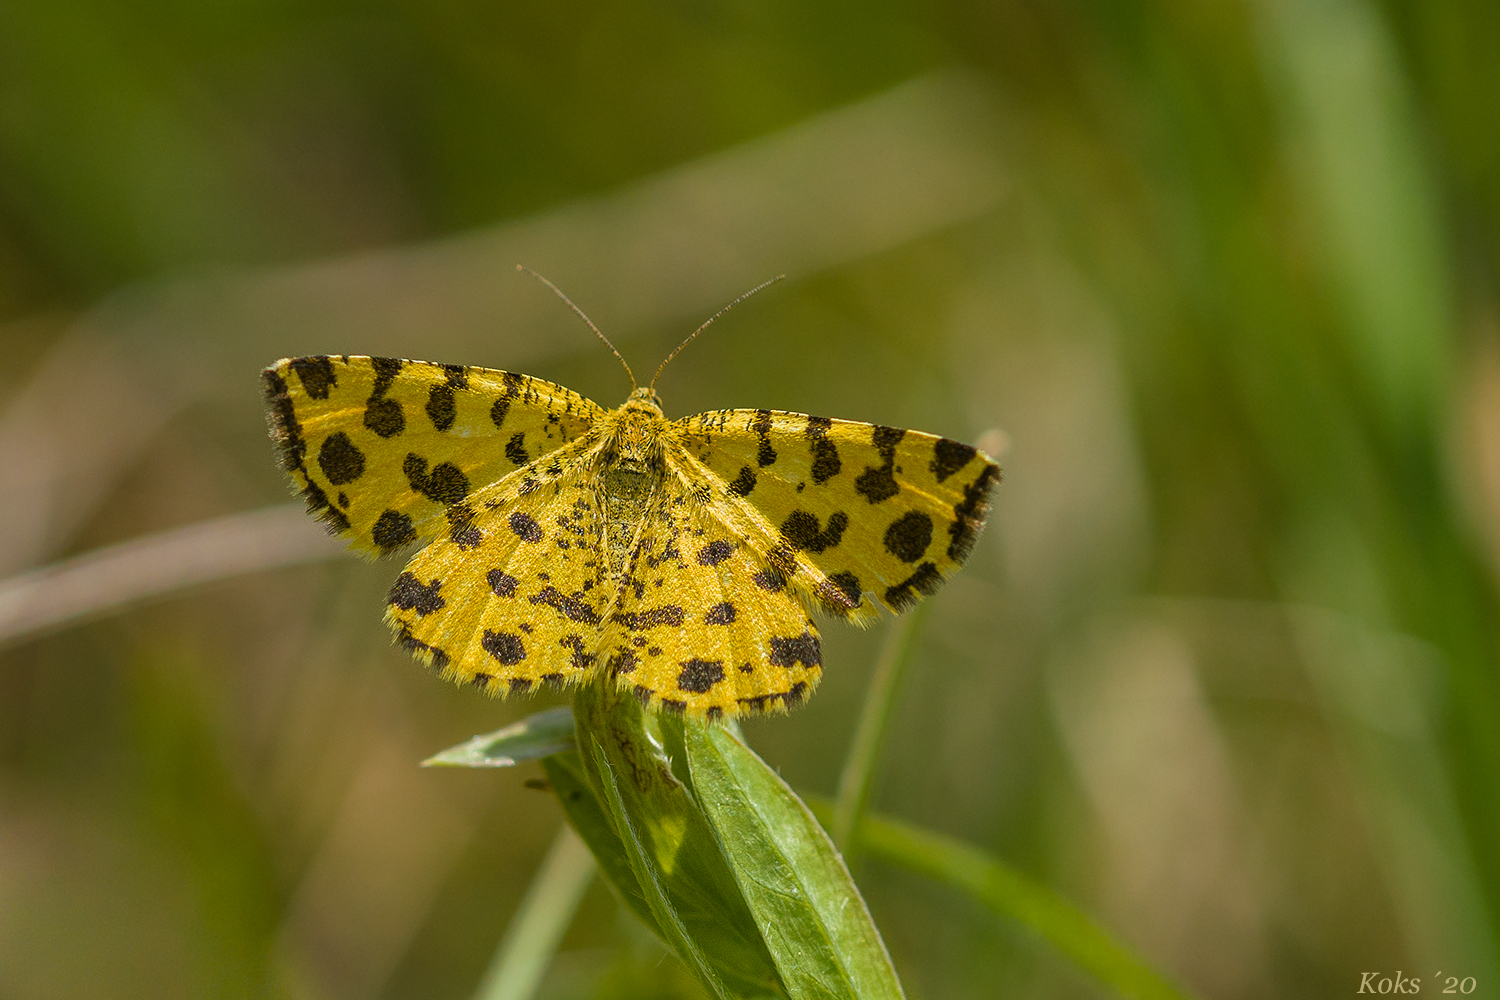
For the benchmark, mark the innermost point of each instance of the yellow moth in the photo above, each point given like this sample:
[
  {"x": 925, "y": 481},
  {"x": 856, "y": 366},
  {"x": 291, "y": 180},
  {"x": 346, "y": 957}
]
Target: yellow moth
[{"x": 563, "y": 538}]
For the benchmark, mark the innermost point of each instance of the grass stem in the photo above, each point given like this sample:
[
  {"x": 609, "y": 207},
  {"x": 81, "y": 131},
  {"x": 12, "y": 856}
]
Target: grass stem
[{"x": 539, "y": 922}]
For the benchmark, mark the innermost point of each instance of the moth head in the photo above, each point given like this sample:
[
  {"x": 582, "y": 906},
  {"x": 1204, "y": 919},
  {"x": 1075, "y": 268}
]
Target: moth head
[{"x": 644, "y": 398}]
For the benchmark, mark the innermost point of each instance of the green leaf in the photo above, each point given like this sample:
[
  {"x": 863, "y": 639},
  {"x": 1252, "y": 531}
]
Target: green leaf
[
  {"x": 678, "y": 881},
  {"x": 814, "y": 920},
  {"x": 535, "y": 736},
  {"x": 1008, "y": 893}
]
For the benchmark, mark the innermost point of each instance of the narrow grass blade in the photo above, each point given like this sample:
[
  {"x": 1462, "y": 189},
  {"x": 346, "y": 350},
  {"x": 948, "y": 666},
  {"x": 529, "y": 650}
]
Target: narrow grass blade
[
  {"x": 815, "y": 924},
  {"x": 534, "y": 737},
  {"x": 1012, "y": 895},
  {"x": 860, "y": 766},
  {"x": 539, "y": 923}
]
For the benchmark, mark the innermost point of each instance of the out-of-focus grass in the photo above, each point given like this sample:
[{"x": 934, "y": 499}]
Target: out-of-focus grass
[{"x": 1222, "y": 671}]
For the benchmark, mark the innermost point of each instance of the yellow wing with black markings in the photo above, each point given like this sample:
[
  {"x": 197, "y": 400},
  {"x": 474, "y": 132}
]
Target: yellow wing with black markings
[
  {"x": 389, "y": 451},
  {"x": 856, "y": 516},
  {"x": 520, "y": 603}
]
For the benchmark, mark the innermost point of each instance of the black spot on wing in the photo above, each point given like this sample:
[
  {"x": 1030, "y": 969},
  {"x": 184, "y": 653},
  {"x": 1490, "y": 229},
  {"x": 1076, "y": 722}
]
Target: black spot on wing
[
  {"x": 770, "y": 580},
  {"x": 878, "y": 484},
  {"x": 714, "y": 553},
  {"x": 316, "y": 375},
  {"x": 580, "y": 658},
  {"x": 574, "y": 607},
  {"x": 437, "y": 659},
  {"x": 384, "y": 416},
  {"x": 513, "y": 384},
  {"x": 410, "y": 594},
  {"x": 638, "y": 621},
  {"x": 744, "y": 483},
  {"x": 825, "y": 455},
  {"x": 790, "y": 651},
  {"x": 441, "y": 406},
  {"x": 461, "y": 529},
  {"x": 699, "y": 676},
  {"x": 761, "y": 425},
  {"x": 841, "y": 592},
  {"x": 501, "y": 583},
  {"x": 803, "y": 532},
  {"x": 445, "y": 484},
  {"x": 392, "y": 530},
  {"x": 722, "y": 613},
  {"x": 923, "y": 583},
  {"x": 908, "y": 536},
  {"x": 515, "y": 449},
  {"x": 503, "y": 646},
  {"x": 970, "y": 512},
  {"x": 948, "y": 457},
  {"x": 525, "y": 527},
  {"x": 340, "y": 460}
]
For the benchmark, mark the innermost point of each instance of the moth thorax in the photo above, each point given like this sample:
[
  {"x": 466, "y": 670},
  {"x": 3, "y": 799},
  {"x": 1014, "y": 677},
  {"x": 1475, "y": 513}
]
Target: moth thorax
[{"x": 635, "y": 439}]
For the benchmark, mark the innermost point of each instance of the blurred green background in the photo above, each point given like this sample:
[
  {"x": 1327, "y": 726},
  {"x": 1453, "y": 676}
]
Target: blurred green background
[{"x": 1221, "y": 281}]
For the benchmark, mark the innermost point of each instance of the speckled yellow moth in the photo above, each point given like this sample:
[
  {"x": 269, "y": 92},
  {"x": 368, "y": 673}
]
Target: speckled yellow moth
[{"x": 563, "y": 538}]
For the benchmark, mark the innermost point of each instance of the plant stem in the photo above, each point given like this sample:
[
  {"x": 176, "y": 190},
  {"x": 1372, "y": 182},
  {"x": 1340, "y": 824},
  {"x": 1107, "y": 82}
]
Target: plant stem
[
  {"x": 539, "y": 922},
  {"x": 869, "y": 738}
]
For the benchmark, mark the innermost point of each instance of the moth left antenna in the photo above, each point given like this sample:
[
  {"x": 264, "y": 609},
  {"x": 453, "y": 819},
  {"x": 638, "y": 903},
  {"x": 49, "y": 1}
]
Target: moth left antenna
[
  {"x": 689, "y": 340},
  {"x": 584, "y": 316}
]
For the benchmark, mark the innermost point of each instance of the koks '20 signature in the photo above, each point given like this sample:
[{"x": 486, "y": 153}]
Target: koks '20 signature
[{"x": 1375, "y": 982}]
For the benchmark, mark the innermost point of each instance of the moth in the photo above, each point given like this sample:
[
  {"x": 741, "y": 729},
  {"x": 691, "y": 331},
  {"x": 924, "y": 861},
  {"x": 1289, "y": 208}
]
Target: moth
[{"x": 562, "y": 538}]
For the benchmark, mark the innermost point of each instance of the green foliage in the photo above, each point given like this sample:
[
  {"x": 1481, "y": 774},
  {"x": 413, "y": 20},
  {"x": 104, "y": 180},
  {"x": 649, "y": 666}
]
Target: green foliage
[
  {"x": 679, "y": 881},
  {"x": 1012, "y": 895},
  {"x": 813, "y": 919},
  {"x": 533, "y": 738},
  {"x": 727, "y": 866}
]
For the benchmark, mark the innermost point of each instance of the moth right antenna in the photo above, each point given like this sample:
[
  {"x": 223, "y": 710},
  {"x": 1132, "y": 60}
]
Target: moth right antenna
[
  {"x": 583, "y": 316},
  {"x": 710, "y": 319}
]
